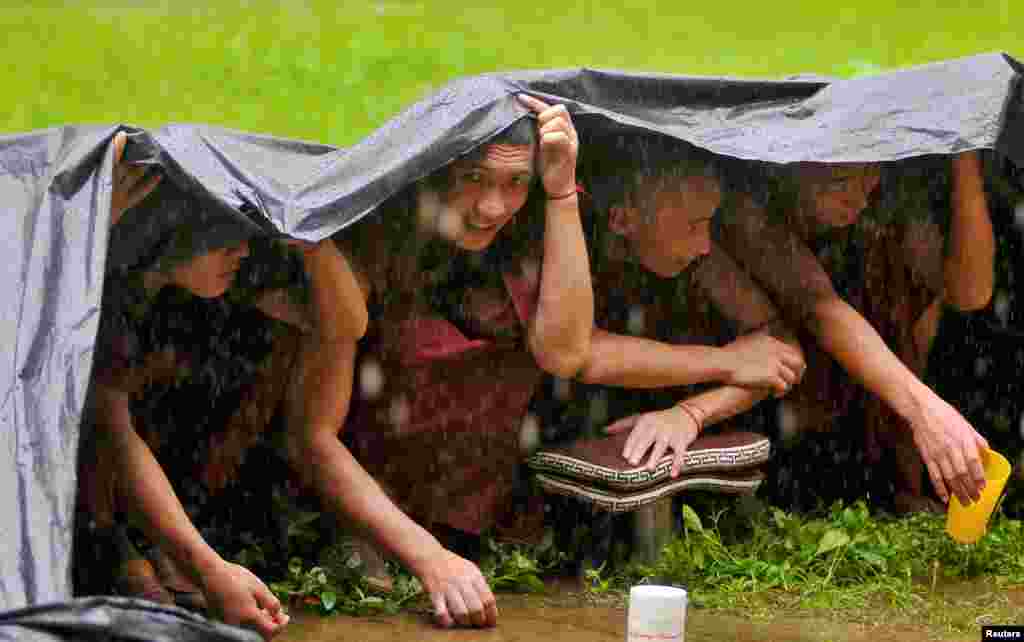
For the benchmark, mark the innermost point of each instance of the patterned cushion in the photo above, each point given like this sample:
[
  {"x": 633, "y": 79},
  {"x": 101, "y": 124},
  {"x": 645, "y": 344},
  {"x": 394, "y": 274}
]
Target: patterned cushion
[
  {"x": 599, "y": 462},
  {"x": 740, "y": 482}
]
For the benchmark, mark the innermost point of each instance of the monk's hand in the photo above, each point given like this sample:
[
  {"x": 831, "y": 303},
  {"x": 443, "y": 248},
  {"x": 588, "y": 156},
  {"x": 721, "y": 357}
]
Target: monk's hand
[
  {"x": 457, "y": 589},
  {"x": 659, "y": 431},
  {"x": 130, "y": 182},
  {"x": 238, "y": 597},
  {"x": 559, "y": 146},
  {"x": 762, "y": 361},
  {"x": 951, "y": 449}
]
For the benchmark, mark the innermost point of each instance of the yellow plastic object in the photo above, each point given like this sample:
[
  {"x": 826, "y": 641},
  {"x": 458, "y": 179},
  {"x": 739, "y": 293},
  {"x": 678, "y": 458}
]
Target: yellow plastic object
[{"x": 966, "y": 524}]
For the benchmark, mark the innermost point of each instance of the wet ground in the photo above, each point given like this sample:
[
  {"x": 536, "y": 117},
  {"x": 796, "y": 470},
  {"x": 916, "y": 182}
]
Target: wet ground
[
  {"x": 567, "y": 618},
  {"x": 592, "y": 624}
]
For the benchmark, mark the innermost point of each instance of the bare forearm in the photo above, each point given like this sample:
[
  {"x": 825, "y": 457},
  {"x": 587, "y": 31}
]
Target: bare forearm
[
  {"x": 851, "y": 340},
  {"x": 353, "y": 495},
  {"x": 969, "y": 268},
  {"x": 143, "y": 483},
  {"x": 564, "y": 318},
  {"x": 324, "y": 388},
  {"x": 635, "y": 362},
  {"x": 726, "y": 402}
]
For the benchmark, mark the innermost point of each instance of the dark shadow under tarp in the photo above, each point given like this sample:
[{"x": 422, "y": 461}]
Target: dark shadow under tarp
[{"x": 55, "y": 196}]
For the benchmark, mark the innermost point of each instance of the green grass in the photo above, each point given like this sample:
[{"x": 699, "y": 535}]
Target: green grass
[
  {"x": 330, "y": 73},
  {"x": 845, "y": 564}
]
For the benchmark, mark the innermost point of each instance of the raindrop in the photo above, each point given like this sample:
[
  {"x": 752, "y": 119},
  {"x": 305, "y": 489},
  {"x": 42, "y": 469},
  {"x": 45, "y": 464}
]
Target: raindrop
[
  {"x": 399, "y": 412},
  {"x": 562, "y": 389},
  {"x": 636, "y": 325},
  {"x": 448, "y": 224},
  {"x": 1018, "y": 216},
  {"x": 531, "y": 270},
  {"x": 788, "y": 423},
  {"x": 1002, "y": 307},
  {"x": 371, "y": 379},
  {"x": 428, "y": 209},
  {"x": 529, "y": 434},
  {"x": 598, "y": 411},
  {"x": 980, "y": 367}
]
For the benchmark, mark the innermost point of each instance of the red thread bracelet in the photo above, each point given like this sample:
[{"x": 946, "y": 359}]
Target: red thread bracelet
[
  {"x": 563, "y": 196},
  {"x": 692, "y": 412}
]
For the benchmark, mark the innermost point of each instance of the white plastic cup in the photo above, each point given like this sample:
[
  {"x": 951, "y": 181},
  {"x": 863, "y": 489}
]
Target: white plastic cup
[{"x": 656, "y": 614}]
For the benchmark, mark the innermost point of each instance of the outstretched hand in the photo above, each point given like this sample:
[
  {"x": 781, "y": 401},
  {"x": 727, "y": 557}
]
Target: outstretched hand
[
  {"x": 660, "y": 431},
  {"x": 559, "y": 145},
  {"x": 458, "y": 591},
  {"x": 130, "y": 185},
  {"x": 951, "y": 450},
  {"x": 238, "y": 597}
]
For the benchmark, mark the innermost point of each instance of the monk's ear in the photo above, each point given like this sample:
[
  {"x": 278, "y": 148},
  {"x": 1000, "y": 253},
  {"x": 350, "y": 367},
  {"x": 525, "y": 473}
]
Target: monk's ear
[{"x": 621, "y": 220}]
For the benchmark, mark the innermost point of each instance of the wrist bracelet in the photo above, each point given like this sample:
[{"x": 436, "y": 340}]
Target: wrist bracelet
[
  {"x": 562, "y": 196},
  {"x": 692, "y": 411}
]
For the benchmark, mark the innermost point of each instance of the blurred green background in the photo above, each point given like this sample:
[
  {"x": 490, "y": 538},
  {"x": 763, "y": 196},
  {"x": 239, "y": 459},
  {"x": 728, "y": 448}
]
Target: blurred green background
[{"x": 331, "y": 72}]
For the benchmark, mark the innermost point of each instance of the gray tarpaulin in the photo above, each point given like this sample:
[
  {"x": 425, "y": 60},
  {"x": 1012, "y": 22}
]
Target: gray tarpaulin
[{"x": 55, "y": 199}]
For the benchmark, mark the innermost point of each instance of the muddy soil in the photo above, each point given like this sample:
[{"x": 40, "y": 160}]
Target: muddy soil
[{"x": 566, "y": 618}]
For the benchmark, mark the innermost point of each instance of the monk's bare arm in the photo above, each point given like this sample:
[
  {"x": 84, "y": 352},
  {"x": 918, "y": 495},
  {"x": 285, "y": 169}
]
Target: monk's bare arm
[{"x": 969, "y": 266}]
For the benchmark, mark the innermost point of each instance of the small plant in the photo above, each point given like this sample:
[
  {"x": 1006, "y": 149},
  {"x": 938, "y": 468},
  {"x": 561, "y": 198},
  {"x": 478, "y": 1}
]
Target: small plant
[
  {"x": 518, "y": 567},
  {"x": 331, "y": 589},
  {"x": 838, "y": 555}
]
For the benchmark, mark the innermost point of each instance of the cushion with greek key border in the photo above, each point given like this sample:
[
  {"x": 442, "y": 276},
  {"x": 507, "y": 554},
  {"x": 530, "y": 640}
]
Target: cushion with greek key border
[
  {"x": 737, "y": 483},
  {"x": 599, "y": 462}
]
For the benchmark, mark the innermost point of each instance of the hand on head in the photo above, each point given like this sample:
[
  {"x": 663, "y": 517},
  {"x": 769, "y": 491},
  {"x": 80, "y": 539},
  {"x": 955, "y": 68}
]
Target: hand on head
[
  {"x": 130, "y": 182},
  {"x": 559, "y": 145}
]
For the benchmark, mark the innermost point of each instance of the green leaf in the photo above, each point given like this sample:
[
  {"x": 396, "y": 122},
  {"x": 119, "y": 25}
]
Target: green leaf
[
  {"x": 872, "y": 558},
  {"x": 531, "y": 584},
  {"x": 691, "y": 520},
  {"x": 698, "y": 557},
  {"x": 328, "y": 599},
  {"x": 831, "y": 540}
]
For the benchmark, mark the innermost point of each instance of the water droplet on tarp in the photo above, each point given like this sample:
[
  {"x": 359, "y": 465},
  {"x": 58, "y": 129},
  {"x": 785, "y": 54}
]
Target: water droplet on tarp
[{"x": 371, "y": 379}]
